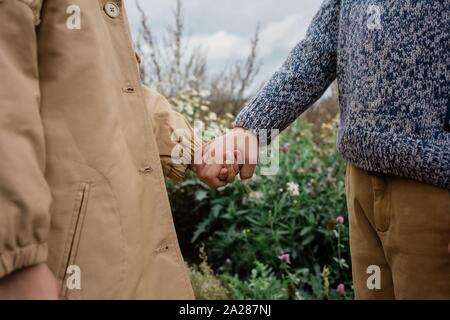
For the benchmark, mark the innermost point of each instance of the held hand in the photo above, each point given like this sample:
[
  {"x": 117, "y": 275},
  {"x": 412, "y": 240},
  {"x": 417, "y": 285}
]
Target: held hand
[
  {"x": 31, "y": 283},
  {"x": 220, "y": 173},
  {"x": 241, "y": 141}
]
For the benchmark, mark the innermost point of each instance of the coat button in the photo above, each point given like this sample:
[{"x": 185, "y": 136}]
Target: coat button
[
  {"x": 112, "y": 10},
  {"x": 129, "y": 89},
  {"x": 146, "y": 169}
]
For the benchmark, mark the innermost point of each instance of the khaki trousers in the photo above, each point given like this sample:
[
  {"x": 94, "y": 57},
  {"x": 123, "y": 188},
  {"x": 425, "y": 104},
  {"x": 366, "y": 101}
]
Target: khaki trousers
[{"x": 399, "y": 237}]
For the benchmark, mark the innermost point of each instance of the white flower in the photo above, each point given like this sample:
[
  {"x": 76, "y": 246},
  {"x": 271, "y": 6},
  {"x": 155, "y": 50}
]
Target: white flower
[
  {"x": 205, "y": 93},
  {"x": 212, "y": 116},
  {"x": 293, "y": 188},
  {"x": 189, "y": 109},
  {"x": 255, "y": 195}
]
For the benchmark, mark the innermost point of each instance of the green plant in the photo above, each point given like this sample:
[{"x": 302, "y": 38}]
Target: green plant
[
  {"x": 262, "y": 284},
  {"x": 293, "y": 212},
  {"x": 205, "y": 283}
]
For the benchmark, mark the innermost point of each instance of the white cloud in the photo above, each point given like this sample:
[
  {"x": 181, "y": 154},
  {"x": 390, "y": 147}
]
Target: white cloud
[
  {"x": 222, "y": 46},
  {"x": 277, "y": 38},
  {"x": 283, "y": 34}
]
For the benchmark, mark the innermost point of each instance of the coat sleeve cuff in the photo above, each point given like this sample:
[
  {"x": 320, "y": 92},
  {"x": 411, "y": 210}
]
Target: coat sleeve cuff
[
  {"x": 11, "y": 261},
  {"x": 177, "y": 172}
]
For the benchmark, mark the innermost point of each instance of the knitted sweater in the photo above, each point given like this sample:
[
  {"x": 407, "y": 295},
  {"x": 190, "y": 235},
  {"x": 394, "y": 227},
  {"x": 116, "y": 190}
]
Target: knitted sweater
[{"x": 392, "y": 62}]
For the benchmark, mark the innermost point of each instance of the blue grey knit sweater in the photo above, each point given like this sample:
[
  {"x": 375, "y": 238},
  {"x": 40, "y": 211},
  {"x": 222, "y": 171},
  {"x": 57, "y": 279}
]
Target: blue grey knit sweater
[{"x": 392, "y": 62}]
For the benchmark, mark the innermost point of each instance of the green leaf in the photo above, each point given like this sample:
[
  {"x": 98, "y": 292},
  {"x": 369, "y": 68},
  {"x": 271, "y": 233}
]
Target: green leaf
[
  {"x": 306, "y": 230},
  {"x": 201, "y": 228},
  {"x": 308, "y": 240},
  {"x": 201, "y": 195}
]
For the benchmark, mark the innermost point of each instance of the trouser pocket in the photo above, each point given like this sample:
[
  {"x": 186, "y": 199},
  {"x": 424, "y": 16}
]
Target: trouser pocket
[{"x": 381, "y": 202}]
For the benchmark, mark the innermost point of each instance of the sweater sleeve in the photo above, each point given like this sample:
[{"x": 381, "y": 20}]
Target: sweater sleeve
[{"x": 303, "y": 78}]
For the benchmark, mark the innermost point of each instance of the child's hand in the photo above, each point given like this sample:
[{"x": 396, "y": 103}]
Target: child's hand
[
  {"x": 243, "y": 143},
  {"x": 216, "y": 174}
]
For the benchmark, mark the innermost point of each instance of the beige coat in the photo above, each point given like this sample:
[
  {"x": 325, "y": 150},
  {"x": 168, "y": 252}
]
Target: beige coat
[{"x": 84, "y": 149}]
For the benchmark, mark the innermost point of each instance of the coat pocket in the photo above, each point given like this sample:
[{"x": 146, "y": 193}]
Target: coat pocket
[
  {"x": 95, "y": 256},
  {"x": 73, "y": 239}
]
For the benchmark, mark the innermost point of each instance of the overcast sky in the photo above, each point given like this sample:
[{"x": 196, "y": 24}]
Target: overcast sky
[{"x": 223, "y": 27}]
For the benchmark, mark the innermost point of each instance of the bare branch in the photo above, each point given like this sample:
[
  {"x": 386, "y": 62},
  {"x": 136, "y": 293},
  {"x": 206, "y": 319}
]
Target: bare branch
[
  {"x": 173, "y": 65},
  {"x": 147, "y": 38}
]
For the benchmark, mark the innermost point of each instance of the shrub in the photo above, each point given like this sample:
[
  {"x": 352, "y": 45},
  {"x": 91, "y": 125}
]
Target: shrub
[
  {"x": 262, "y": 284},
  {"x": 205, "y": 283},
  {"x": 293, "y": 213}
]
